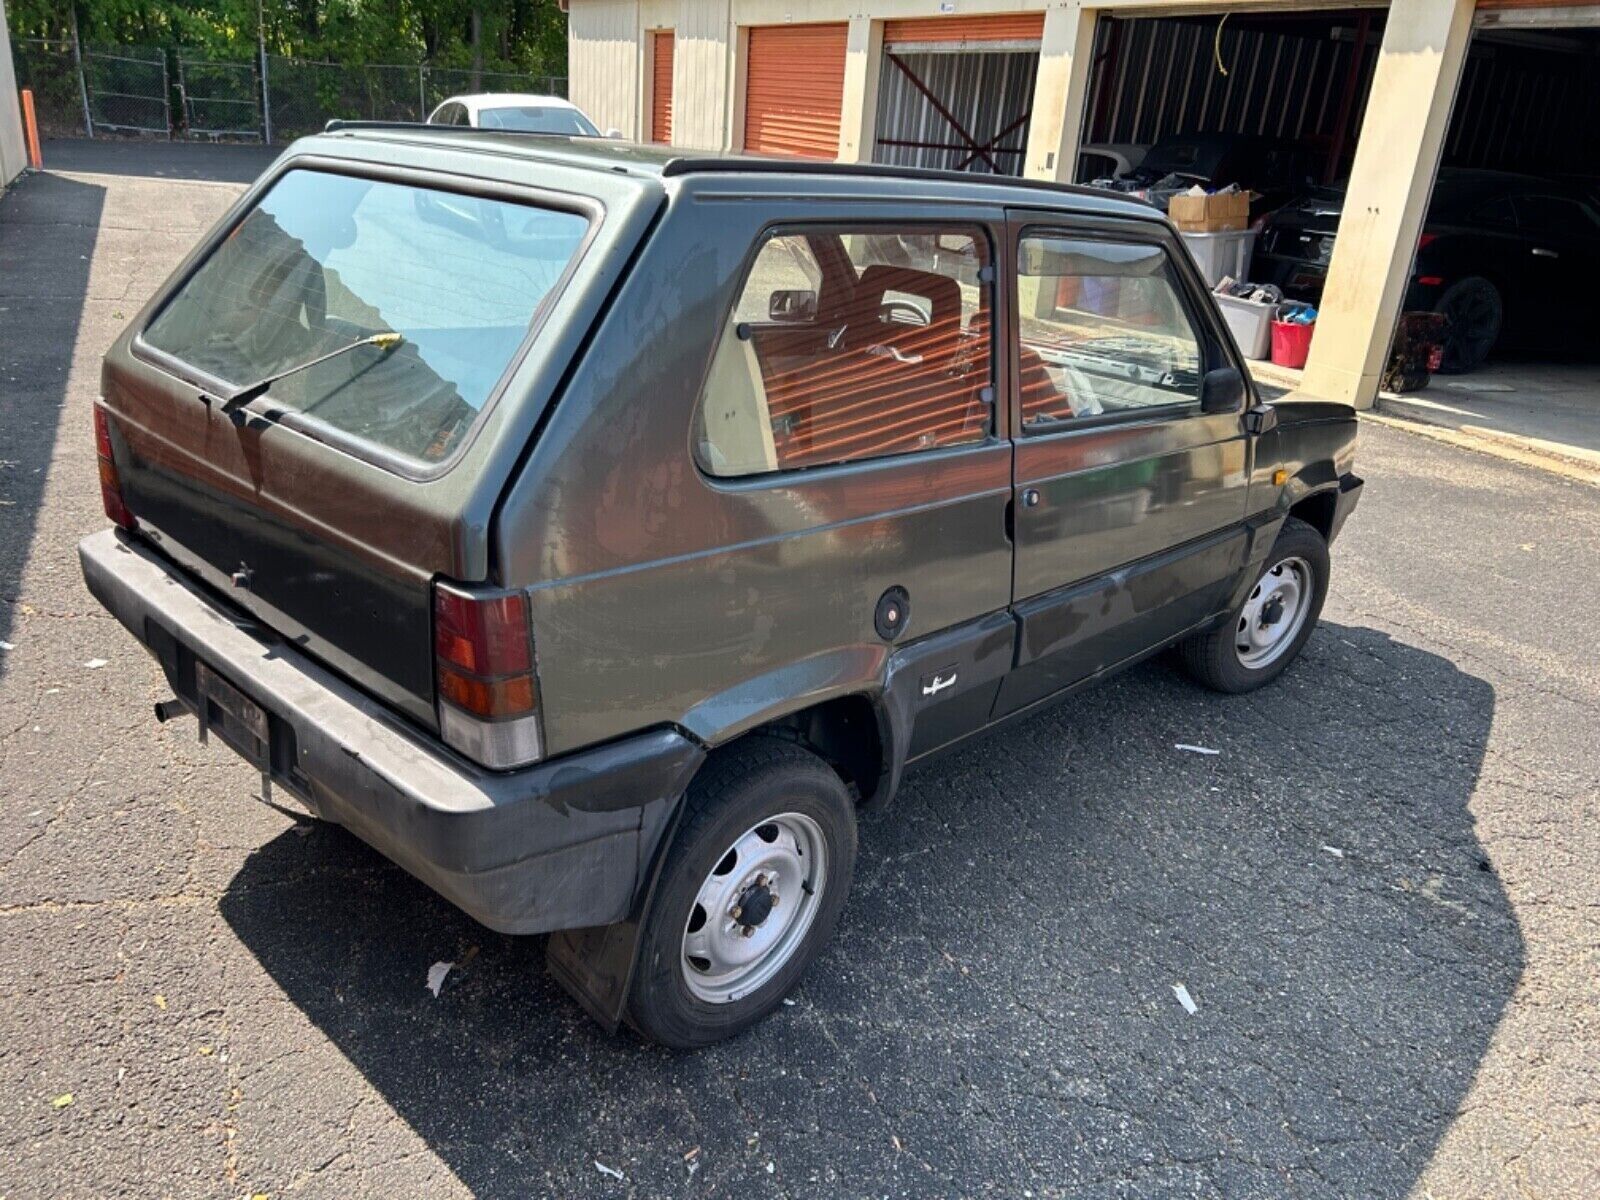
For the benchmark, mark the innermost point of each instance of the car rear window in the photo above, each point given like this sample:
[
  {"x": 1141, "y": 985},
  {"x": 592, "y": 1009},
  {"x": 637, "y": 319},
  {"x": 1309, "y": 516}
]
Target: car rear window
[
  {"x": 323, "y": 261},
  {"x": 537, "y": 118}
]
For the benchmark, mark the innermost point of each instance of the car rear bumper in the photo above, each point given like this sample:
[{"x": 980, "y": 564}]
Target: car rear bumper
[{"x": 562, "y": 845}]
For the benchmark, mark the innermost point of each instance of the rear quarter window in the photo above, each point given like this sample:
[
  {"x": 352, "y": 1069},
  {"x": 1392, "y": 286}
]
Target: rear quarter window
[{"x": 324, "y": 260}]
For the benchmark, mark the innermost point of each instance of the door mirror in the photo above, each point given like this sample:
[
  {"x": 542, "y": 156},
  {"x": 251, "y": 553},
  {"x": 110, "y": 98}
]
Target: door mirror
[
  {"x": 792, "y": 306},
  {"x": 614, "y": 134},
  {"x": 1222, "y": 391}
]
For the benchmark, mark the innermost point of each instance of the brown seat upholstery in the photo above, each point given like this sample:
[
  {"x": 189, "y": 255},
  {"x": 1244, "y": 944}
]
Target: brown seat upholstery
[{"x": 885, "y": 387}]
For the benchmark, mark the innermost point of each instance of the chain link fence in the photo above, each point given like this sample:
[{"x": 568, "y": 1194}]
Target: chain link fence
[
  {"x": 220, "y": 99},
  {"x": 51, "y": 70},
  {"x": 96, "y": 90},
  {"x": 127, "y": 89}
]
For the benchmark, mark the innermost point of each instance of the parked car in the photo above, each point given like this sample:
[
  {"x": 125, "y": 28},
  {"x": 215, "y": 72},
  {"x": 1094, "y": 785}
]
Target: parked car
[
  {"x": 1506, "y": 259},
  {"x": 1108, "y": 160},
  {"x": 1275, "y": 169},
  {"x": 519, "y": 112},
  {"x": 599, "y": 577}
]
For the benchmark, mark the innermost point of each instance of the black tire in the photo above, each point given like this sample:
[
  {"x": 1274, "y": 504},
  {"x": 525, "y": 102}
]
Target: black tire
[
  {"x": 1474, "y": 312},
  {"x": 735, "y": 792},
  {"x": 1214, "y": 659}
]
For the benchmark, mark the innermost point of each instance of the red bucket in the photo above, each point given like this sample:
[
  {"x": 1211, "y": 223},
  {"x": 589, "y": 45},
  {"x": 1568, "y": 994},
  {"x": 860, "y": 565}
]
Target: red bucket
[{"x": 1291, "y": 343}]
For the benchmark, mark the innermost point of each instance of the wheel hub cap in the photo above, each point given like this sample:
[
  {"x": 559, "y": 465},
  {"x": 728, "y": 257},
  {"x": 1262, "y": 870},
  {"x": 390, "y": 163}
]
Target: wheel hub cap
[{"x": 1274, "y": 613}]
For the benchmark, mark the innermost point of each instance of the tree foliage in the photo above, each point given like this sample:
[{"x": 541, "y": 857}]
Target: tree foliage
[{"x": 513, "y": 35}]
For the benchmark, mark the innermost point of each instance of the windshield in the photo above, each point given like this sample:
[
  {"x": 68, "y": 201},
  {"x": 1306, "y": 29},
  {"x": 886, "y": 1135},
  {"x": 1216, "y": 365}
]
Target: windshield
[
  {"x": 324, "y": 260},
  {"x": 537, "y": 118}
]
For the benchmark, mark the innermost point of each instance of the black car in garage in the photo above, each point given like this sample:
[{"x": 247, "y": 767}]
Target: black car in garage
[{"x": 1506, "y": 259}]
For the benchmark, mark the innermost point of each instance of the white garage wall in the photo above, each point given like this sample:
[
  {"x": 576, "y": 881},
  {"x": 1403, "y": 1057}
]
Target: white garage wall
[
  {"x": 13, "y": 153},
  {"x": 603, "y": 62}
]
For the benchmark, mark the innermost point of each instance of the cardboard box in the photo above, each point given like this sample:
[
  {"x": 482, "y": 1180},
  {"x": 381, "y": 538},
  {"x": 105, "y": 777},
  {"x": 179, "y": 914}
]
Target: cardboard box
[{"x": 1210, "y": 214}]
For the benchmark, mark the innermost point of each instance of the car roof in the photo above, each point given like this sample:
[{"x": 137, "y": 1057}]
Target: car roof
[
  {"x": 477, "y": 100},
  {"x": 660, "y": 163}
]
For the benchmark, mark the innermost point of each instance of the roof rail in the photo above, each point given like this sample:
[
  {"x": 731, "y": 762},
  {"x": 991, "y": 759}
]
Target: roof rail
[
  {"x": 341, "y": 123},
  {"x": 746, "y": 165}
]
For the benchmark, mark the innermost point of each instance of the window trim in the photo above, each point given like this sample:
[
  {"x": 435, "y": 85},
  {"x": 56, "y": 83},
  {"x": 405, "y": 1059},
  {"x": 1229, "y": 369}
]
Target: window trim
[
  {"x": 786, "y": 476},
  {"x": 311, "y": 426},
  {"x": 1204, "y": 333}
]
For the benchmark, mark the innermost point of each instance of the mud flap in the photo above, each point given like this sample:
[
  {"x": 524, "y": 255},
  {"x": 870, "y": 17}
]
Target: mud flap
[{"x": 595, "y": 965}]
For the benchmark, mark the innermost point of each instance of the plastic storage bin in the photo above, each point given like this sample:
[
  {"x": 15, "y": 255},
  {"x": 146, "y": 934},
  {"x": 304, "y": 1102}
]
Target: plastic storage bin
[
  {"x": 1219, "y": 254},
  {"x": 1251, "y": 323}
]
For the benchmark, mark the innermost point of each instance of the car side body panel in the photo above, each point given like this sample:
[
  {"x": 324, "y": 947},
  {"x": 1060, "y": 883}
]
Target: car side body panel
[{"x": 660, "y": 594}]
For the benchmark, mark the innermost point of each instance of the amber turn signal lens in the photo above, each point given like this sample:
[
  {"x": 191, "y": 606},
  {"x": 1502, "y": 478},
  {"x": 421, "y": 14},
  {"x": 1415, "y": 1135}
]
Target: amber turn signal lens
[{"x": 485, "y": 697}]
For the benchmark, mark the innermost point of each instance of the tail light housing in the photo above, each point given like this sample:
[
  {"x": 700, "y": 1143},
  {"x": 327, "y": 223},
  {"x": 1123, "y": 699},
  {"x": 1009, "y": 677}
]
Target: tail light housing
[
  {"x": 110, "y": 485},
  {"x": 486, "y": 685}
]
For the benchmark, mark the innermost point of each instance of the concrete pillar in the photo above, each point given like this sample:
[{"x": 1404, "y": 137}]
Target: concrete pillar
[
  {"x": 1061, "y": 91},
  {"x": 1408, "y": 114},
  {"x": 858, "y": 120}
]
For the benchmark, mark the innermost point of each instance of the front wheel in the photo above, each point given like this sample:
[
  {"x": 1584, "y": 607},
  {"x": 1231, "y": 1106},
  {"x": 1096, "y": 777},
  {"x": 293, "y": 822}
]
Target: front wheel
[
  {"x": 750, "y": 892},
  {"x": 1269, "y": 628}
]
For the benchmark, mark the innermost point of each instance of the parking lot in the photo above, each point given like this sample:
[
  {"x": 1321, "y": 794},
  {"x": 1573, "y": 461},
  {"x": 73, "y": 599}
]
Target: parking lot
[{"x": 1380, "y": 891}]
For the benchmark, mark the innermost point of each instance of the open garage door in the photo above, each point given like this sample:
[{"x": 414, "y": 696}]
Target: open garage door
[
  {"x": 794, "y": 89},
  {"x": 1511, "y": 249},
  {"x": 957, "y": 92}
]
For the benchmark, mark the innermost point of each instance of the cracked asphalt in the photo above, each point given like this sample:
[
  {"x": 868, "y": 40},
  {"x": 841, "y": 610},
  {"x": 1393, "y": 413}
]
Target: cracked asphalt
[{"x": 1383, "y": 894}]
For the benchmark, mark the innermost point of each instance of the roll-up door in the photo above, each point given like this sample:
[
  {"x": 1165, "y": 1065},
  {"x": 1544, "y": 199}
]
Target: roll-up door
[
  {"x": 996, "y": 27},
  {"x": 661, "y": 87},
  {"x": 794, "y": 89}
]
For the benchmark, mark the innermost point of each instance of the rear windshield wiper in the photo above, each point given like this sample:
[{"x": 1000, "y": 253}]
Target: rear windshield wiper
[{"x": 383, "y": 341}]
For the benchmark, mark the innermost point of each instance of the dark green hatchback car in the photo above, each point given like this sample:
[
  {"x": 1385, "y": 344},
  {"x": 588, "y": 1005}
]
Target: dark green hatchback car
[{"x": 596, "y": 531}]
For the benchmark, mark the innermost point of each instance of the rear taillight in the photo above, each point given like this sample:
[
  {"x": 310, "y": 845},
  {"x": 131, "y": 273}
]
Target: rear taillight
[
  {"x": 1426, "y": 240},
  {"x": 487, "y": 689},
  {"x": 110, "y": 485}
]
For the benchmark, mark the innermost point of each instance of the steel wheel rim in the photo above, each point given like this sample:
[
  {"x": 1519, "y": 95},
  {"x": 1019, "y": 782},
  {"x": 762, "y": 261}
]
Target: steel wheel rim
[
  {"x": 785, "y": 857},
  {"x": 1273, "y": 613}
]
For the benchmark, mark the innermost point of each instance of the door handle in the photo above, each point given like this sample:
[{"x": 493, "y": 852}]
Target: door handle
[
  {"x": 1541, "y": 252},
  {"x": 1030, "y": 498}
]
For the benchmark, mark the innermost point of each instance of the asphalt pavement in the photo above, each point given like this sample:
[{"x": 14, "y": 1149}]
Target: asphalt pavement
[{"x": 1382, "y": 894}]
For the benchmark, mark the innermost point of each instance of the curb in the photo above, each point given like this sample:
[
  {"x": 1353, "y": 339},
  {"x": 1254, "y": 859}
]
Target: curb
[{"x": 1526, "y": 451}]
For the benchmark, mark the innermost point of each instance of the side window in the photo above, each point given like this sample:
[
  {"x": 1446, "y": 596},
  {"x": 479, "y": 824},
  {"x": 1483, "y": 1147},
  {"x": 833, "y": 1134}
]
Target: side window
[
  {"x": 1556, "y": 215},
  {"x": 1496, "y": 214},
  {"x": 783, "y": 283},
  {"x": 1103, "y": 330},
  {"x": 851, "y": 344}
]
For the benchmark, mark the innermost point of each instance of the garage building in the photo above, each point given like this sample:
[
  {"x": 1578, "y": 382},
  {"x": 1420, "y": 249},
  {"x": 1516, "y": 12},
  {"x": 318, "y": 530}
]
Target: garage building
[
  {"x": 1373, "y": 94},
  {"x": 13, "y": 154}
]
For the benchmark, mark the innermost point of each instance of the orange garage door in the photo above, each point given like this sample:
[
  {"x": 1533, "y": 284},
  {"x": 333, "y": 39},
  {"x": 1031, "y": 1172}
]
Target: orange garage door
[
  {"x": 661, "y": 87},
  {"x": 794, "y": 88},
  {"x": 998, "y": 27}
]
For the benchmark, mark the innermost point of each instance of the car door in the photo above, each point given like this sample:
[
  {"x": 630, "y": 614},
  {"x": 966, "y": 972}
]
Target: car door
[
  {"x": 1562, "y": 244},
  {"x": 1129, "y": 500}
]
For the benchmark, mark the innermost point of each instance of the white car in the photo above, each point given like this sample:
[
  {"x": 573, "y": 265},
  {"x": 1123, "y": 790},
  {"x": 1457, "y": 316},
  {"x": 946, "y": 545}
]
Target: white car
[{"x": 518, "y": 111}]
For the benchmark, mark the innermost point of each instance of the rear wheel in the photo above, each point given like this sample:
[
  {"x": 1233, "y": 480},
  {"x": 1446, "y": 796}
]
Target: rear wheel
[
  {"x": 1473, "y": 312},
  {"x": 749, "y": 894},
  {"x": 1269, "y": 628}
]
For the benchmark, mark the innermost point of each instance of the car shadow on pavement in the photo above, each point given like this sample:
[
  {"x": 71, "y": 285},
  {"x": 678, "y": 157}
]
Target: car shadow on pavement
[
  {"x": 48, "y": 229},
  {"x": 998, "y": 1011}
]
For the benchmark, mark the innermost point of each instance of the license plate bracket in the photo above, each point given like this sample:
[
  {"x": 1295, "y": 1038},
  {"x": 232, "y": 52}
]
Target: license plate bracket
[{"x": 237, "y": 720}]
